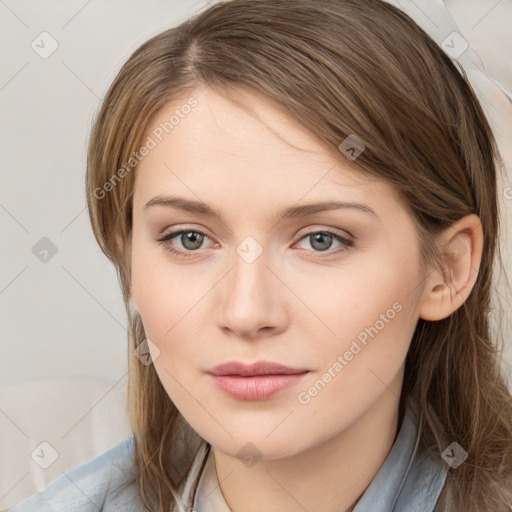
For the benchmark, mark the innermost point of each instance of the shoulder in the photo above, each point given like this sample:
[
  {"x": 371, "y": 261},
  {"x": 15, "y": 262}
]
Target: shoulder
[{"x": 104, "y": 483}]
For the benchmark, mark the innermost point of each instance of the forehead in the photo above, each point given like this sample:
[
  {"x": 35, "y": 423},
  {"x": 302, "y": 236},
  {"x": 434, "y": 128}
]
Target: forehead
[{"x": 218, "y": 151}]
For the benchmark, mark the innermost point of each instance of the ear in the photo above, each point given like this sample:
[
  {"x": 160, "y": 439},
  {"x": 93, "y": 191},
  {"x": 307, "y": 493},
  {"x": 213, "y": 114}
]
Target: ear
[{"x": 461, "y": 246}]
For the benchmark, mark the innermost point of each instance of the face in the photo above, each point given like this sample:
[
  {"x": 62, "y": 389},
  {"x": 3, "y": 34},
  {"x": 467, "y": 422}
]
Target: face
[{"x": 331, "y": 293}]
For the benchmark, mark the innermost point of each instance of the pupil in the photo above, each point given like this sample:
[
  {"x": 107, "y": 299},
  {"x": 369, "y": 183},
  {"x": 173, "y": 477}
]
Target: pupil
[
  {"x": 318, "y": 237},
  {"x": 194, "y": 238}
]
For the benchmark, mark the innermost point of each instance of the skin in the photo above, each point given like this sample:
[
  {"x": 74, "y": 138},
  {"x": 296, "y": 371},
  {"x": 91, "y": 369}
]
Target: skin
[{"x": 290, "y": 305}]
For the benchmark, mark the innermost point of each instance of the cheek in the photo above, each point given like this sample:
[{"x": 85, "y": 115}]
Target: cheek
[
  {"x": 173, "y": 306},
  {"x": 369, "y": 317},
  {"x": 361, "y": 362},
  {"x": 155, "y": 289},
  {"x": 378, "y": 291}
]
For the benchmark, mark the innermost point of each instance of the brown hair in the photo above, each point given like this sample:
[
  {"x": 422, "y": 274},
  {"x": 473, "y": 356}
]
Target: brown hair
[{"x": 339, "y": 67}]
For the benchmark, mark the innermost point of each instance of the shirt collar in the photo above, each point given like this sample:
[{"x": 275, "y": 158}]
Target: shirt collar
[{"x": 409, "y": 479}]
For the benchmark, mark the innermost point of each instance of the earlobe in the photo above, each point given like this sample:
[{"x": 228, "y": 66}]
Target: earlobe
[{"x": 461, "y": 247}]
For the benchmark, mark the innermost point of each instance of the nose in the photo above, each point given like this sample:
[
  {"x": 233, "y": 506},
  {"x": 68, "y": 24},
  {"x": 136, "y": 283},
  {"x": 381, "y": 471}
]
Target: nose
[{"x": 252, "y": 299}]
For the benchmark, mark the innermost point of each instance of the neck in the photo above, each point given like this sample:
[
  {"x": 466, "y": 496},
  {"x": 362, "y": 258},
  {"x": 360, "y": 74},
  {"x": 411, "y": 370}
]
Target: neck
[{"x": 329, "y": 476}]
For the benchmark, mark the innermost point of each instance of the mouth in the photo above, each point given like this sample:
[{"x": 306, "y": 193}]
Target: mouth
[{"x": 255, "y": 381}]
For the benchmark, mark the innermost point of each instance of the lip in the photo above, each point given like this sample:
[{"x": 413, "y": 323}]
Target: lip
[
  {"x": 255, "y": 381},
  {"x": 255, "y": 369}
]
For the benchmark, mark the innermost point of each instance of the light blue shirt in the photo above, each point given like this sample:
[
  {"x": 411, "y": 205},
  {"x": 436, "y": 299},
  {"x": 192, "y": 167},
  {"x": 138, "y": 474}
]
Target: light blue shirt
[{"x": 408, "y": 481}]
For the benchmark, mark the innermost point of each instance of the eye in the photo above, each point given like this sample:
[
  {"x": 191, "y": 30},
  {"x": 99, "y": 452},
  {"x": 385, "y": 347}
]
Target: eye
[
  {"x": 192, "y": 240},
  {"x": 321, "y": 241}
]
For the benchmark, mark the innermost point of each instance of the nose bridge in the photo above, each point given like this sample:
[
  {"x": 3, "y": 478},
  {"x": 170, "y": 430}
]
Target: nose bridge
[
  {"x": 249, "y": 278},
  {"x": 250, "y": 294}
]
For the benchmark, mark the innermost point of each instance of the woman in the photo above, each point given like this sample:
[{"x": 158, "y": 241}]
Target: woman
[{"x": 326, "y": 178}]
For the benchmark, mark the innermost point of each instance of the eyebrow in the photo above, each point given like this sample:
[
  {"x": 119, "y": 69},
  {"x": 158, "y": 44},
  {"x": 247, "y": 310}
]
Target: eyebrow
[{"x": 201, "y": 208}]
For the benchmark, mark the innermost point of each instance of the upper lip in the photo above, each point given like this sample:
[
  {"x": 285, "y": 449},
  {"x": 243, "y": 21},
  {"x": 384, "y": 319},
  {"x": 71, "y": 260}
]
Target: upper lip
[{"x": 258, "y": 368}]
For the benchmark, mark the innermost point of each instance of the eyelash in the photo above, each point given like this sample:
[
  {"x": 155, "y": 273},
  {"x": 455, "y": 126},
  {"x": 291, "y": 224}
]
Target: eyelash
[{"x": 347, "y": 243}]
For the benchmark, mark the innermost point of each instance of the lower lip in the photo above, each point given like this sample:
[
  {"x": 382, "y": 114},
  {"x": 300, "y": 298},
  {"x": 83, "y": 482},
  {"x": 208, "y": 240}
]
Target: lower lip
[{"x": 258, "y": 387}]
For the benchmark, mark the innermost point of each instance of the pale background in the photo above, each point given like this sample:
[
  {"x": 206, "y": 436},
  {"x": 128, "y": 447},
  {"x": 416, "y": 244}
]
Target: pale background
[{"x": 63, "y": 361}]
